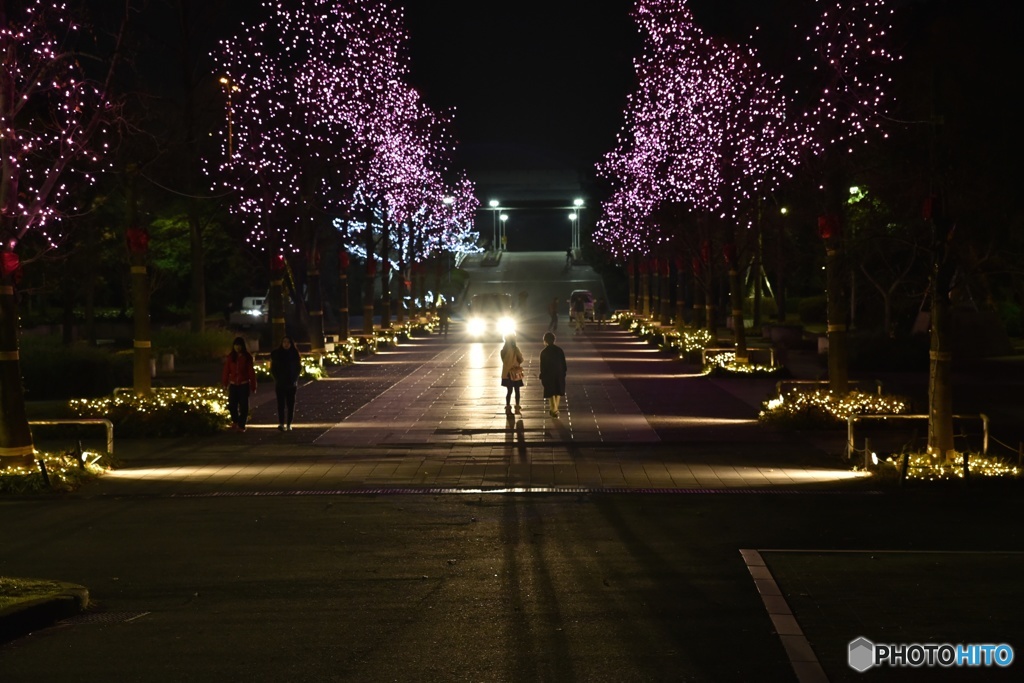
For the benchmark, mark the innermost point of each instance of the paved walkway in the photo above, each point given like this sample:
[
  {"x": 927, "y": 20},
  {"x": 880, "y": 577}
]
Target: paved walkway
[{"x": 429, "y": 415}]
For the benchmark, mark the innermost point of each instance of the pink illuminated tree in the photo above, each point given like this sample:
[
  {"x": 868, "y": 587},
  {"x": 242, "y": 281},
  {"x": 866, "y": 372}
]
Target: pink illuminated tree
[
  {"x": 324, "y": 133},
  {"x": 707, "y": 133},
  {"x": 53, "y": 120},
  {"x": 852, "y": 63}
]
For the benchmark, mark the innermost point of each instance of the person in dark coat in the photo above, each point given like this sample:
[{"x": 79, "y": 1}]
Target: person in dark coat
[
  {"x": 443, "y": 317},
  {"x": 285, "y": 366},
  {"x": 239, "y": 378},
  {"x": 552, "y": 372}
]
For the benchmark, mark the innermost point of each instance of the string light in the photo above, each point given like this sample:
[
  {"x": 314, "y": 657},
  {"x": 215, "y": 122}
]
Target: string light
[{"x": 51, "y": 120}]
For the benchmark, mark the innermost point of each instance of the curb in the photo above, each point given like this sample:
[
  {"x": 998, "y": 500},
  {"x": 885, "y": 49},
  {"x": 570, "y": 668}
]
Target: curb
[{"x": 23, "y": 618}]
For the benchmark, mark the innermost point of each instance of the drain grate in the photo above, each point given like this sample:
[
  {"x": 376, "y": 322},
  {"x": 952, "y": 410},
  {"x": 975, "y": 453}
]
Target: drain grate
[{"x": 102, "y": 618}]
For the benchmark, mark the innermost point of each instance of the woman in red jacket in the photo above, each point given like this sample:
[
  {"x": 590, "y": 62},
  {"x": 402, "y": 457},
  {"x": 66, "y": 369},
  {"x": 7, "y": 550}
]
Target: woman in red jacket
[{"x": 239, "y": 378}]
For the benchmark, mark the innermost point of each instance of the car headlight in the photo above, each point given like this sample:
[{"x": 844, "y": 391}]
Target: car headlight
[
  {"x": 506, "y": 326},
  {"x": 476, "y": 327}
]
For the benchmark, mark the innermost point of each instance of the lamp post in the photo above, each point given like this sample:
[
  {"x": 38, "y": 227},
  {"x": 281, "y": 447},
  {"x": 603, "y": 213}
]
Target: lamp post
[
  {"x": 494, "y": 228},
  {"x": 503, "y": 235},
  {"x": 572, "y": 232},
  {"x": 578, "y": 203},
  {"x": 230, "y": 87}
]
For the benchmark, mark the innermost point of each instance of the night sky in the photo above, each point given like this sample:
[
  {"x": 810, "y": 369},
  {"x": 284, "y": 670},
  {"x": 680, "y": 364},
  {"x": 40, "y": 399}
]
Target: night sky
[
  {"x": 547, "y": 80},
  {"x": 550, "y": 74}
]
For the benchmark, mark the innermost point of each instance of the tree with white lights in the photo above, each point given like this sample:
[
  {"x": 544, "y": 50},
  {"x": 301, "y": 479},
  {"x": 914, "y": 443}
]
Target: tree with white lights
[{"x": 52, "y": 119}]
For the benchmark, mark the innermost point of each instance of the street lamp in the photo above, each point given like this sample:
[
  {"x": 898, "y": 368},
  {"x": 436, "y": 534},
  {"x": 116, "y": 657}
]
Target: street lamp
[
  {"x": 494, "y": 228},
  {"x": 578, "y": 203},
  {"x": 230, "y": 87},
  {"x": 572, "y": 231},
  {"x": 503, "y": 217}
]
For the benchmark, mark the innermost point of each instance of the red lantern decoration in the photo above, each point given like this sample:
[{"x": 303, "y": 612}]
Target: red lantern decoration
[
  {"x": 630, "y": 269},
  {"x": 828, "y": 226},
  {"x": 928, "y": 208},
  {"x": 9, "y": 263},
  {"x": 277, "y": 263},
  {"x": 654, "y": 266},
  {"x": 138, "y": 239},
  {"x": 729, "y": 251},
  {"x": 643, "y": 267},
  {"x": 343, "y": 259},
  {"x": 680, "y": 263}
]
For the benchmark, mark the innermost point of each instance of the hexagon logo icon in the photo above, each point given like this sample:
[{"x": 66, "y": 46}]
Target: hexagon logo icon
[{"x": 862, "y": 654}]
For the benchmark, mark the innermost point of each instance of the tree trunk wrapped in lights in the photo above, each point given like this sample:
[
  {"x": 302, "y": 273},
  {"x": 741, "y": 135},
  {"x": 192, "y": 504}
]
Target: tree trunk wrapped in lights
[
  {"x": 736, "y": 292},
  {"x": 940, "y": 382},
  {"x": 680, "y": 293},
  {"x": 315, "y": 304},
  {"x": 343, "y": 318},
  {"x": 837, "y": 311}
]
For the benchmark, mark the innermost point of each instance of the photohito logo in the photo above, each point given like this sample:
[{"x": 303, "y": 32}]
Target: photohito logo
[{"x": 863, "y": 654}]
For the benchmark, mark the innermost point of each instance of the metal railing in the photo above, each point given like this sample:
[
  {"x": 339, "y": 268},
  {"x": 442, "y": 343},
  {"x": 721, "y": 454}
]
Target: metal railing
[
  {"x": 85, "y": 421},
  {"x": 751, "y": 351},
  {"x": 788, "y": 382},
  {"x": 854, "y": 419}
]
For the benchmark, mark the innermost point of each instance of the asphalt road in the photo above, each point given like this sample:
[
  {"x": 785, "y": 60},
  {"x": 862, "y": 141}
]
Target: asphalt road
[{"x": 625, "y": 587}]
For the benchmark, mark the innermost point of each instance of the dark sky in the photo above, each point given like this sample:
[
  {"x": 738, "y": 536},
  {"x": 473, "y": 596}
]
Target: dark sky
[{"x": 552, "y": 74}]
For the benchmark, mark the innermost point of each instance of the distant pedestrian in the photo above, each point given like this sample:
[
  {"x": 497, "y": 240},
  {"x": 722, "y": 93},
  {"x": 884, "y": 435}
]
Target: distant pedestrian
[
  {"x": 579, "y": 312},
  {"x": 553, "y": 369},
  {"x": 568, "y": 258},
  {"x": 286, "y": 367},
  {"x": 239, "y": 378},
  {"x": 601, "y": 311},
  {"x": 443, "y": 317},
  {"x": 511, "y": 370},
  {"x": 553, "y": 312}
]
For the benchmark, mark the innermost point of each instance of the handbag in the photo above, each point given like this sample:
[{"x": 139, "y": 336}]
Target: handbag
[{"x": 515, "y": 373}]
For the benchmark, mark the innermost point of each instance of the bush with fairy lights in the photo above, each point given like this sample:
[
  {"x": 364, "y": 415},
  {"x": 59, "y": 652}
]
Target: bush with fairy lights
[
  {"x": 725, "y": 365},
  {"x": 821, "y": 409},
  {"x": 53, "y": 472},
  {"x": 184, "y": 411}
]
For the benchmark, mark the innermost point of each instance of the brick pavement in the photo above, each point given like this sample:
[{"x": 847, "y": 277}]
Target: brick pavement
[{"x": 430, "y": 413}]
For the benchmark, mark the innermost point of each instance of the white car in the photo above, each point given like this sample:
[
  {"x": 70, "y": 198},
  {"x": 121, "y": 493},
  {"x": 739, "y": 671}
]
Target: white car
[
  {"x": 489, "y": 316},
  {"x": 255, "y": 311}
]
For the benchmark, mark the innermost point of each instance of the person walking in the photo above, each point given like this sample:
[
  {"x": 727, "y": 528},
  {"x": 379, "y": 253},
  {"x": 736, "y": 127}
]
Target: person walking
[
  {"x": 443, "y": 317},
  {"x": 601, "y": 311},
  {"x": 285, "y": 367},
  {"x": 239, "y": 378},
  {"x": 552, "y": 372},
  {"x": 511, "y": 370},
  {"x": 579, "y": 311},
  {"x": 553, "y": 312}
]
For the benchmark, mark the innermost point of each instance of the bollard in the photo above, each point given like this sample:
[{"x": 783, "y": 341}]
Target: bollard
[{"x": 868, "y": 461}]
